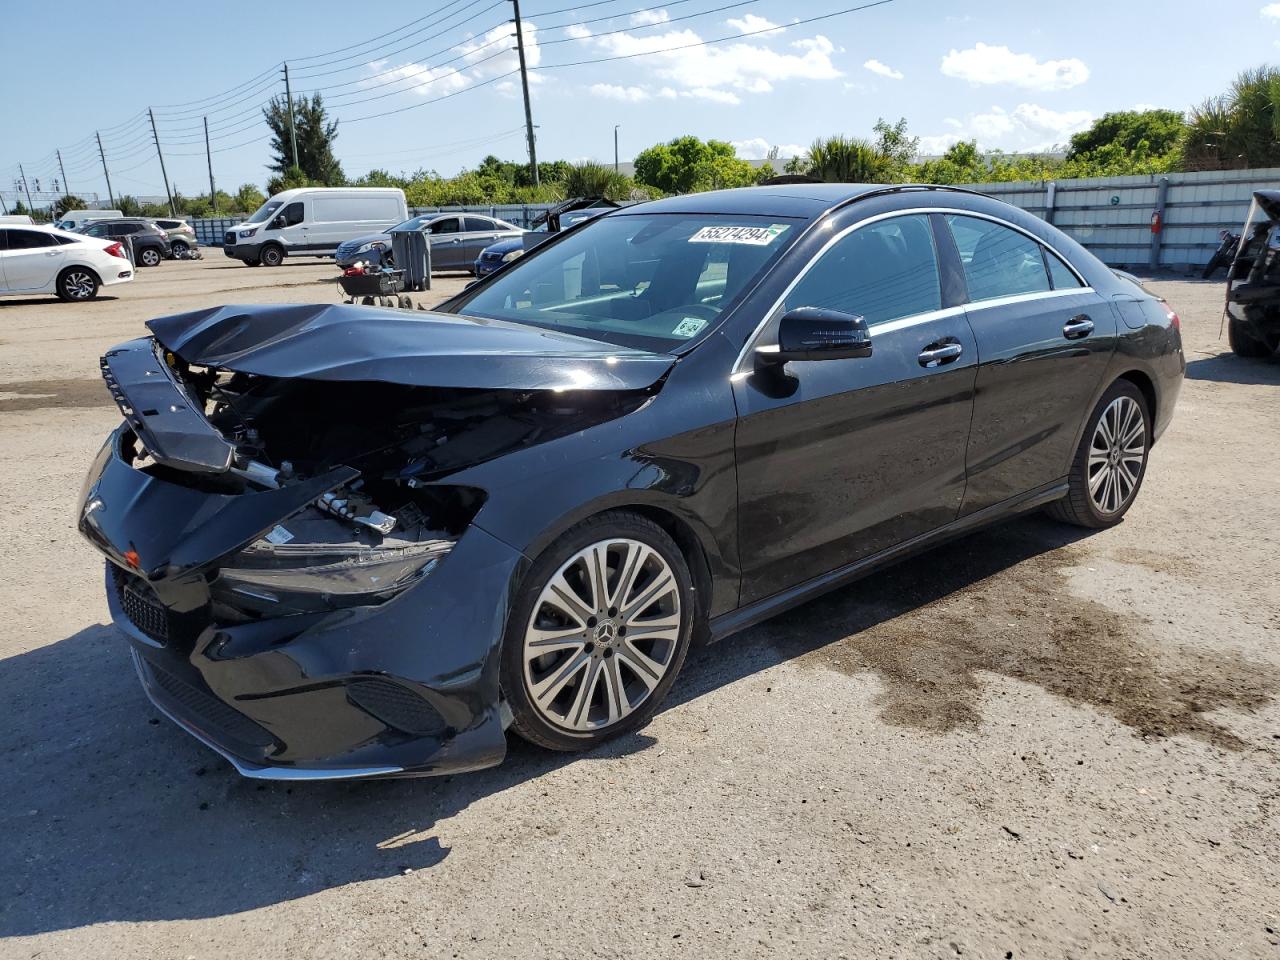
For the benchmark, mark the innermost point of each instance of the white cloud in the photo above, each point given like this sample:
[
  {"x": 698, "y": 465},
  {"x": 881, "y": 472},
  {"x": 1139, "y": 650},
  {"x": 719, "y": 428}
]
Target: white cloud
[
  {"x": 610, "y": 91},
  {"x": 883, "y": 69},
  {"x": 667, "y": 93},
  {"x": 757, "y": 148},
  {"x": 427, "y": 81},
  {"x": 646, "y": 18},
  {"x": 479, "y": 58},
  {"x": 1271, "y": 11},
  {"x": 982, "y": 64},
  {"x": 722, "y": 73},
  {"x": 750, "y": 23},
  {"x": 1027, "y": 127},
  {"x": 578, "y": 31}
]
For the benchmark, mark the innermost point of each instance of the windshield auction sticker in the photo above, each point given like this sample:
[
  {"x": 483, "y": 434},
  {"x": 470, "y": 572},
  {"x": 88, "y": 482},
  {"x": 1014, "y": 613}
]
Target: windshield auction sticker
[
  {"x": 752, "y": 236},
  {"x": 688, "y": 327}
]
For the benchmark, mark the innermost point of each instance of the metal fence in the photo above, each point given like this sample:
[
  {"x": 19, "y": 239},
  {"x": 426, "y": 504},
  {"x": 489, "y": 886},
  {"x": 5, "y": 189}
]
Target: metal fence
[
  {"x": 1112, "y": 216},
  {"x": 1109, "y": 215}
]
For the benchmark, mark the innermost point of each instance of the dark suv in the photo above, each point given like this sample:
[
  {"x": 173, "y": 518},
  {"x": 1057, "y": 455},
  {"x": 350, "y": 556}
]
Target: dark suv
[{"x": 150, "y": 243}]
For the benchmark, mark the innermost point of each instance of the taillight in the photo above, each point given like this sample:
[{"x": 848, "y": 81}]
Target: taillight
[
  {"x": 1174, "y": 320},
  {"x": 116, "y": 250}
]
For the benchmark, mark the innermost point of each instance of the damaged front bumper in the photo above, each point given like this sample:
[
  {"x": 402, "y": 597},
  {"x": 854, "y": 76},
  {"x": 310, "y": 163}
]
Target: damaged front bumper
[{"x": 406, "y": 686}]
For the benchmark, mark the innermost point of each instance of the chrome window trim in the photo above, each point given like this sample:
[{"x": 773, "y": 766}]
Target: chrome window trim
[{"x": 902, "y": 323}]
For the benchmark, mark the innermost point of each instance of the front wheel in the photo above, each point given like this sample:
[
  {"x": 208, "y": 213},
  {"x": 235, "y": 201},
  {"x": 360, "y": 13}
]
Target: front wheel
[
  {"x": 272, "y": 256},
  {"x": 180, "y": 250},
  {"x": 149, "y": 257},
  {"x": 599, "y": 630},
  {"x": 1242, "y": 341},
  {"x": 1110, "y": 462}
]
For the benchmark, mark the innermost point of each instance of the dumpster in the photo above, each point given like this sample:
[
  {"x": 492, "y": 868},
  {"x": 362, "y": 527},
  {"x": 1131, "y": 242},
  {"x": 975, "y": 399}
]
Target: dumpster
[{"x": 411, "y": 250}]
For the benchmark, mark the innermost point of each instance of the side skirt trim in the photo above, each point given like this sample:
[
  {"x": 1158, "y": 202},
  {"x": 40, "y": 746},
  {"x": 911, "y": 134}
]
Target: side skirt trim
[{"x": 748, "y": 616}]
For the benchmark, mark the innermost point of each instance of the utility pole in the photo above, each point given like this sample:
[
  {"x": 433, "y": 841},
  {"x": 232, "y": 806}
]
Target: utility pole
[
  {"x": 293, "y": 130},
  {"x": 213, "y": 193},
  {"x": 524, "y": 82},
  {"x": 615, "y": 146},
  {"x": 111, "y": 197},
  {"x": 66, "y": 188},
  {"x": 31, "y": 207},
  {"x": 167, "y": 192}
]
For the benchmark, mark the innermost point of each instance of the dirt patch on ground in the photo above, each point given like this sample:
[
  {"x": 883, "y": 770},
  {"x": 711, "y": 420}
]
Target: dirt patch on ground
[
  {"x": 46, "y": 394},
  {"x": 998, "y": 603}
]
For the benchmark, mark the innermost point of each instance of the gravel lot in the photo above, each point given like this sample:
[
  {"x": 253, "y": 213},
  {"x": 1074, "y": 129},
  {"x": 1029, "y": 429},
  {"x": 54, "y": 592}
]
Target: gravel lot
[{"x": 1033, "y": 743}]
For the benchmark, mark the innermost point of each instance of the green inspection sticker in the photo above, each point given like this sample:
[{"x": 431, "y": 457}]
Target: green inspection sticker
[{"x": 751, "y": 236}]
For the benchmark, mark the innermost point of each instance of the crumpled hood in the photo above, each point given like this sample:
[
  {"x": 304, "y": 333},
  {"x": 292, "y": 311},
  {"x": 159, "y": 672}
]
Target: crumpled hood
[{"x": 414, "y": 348}]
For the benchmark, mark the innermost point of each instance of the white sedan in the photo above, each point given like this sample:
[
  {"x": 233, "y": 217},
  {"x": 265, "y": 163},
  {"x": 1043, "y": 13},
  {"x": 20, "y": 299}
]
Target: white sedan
[{"x": 39, "y": 259}]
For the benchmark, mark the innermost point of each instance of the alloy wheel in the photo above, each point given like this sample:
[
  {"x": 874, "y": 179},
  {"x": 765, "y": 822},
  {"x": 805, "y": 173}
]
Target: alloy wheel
[
  {"x": 150, "y": 258},
  {"x": 78, "y": 285},
  {"x": 1116, "y": 455},
  {"x": 602, "y": 635}
]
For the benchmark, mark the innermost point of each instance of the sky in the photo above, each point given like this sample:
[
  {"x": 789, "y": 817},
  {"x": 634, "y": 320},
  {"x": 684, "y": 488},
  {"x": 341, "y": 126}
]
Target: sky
[{"x": 432, "y": 84}]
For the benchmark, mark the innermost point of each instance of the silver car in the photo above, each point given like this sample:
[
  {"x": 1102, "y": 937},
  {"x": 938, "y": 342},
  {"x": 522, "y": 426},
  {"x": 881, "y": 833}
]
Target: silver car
[
  {"x": 456, "y": 240},
  {"x": 182, "y": 236}
]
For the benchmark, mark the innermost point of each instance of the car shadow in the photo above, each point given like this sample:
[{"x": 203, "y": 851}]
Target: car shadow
[
  {"x": 1228, "y": 368},
  {"x": 110, "y": 813},
  {"x": 34, "y": 301}
]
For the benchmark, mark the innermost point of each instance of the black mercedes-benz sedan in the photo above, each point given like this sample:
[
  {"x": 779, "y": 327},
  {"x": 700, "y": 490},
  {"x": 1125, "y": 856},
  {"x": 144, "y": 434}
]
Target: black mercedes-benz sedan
[{"x": 348, "y": 542}]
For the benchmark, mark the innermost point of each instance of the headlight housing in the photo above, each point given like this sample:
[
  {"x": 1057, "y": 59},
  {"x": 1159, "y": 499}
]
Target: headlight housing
[
  {"x": 512, "y": 255},
  {"x": 270, "y": 576},
  {"x": 246, "y": 234}
]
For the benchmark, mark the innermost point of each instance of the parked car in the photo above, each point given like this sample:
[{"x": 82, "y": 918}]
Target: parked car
[
  {"x": 75, "y": 219},
  {"x": 16, "y": 218},
  {"x": 676, "y": 421},
  {"x": 39, "y": 259},
  {"x": 456, "y": 240},
  {"x": 1253, "y": 281},
  {"x": 150, "y": 243},
  {"x": 561, "y": 217},
  {"x": 182, "y": 236},
  {"x": 312, "y": 222}
]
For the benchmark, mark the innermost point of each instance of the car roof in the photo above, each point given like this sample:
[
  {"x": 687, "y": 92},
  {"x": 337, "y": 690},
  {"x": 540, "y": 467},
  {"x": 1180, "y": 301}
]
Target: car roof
[{"x": 805, "y": 201}]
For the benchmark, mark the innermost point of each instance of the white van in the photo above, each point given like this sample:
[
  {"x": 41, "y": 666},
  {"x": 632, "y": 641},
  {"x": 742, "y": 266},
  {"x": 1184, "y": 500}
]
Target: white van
[
  {"x": 311, "y": 222},
  {"x": 16, "y": 218},
  {"x": 75, "y": 219}
]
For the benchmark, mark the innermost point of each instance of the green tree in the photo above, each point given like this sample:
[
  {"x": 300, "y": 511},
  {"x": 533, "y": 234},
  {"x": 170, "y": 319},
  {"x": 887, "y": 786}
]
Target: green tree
[
  {"x": 1160, "y": 131},
  {"x": 291, "y": 179},
  {"x": 315, "y": 134},
  {"x": 129, "y": 206},
  {"x": 842, "y": 159},
  {"x": 590, "y": 179},
  {"x": 687, "y": 164},
  {"x": 247, "y": 199},
  {"x": 67, "y": 202},
  {"x": 1240, "y": 128},
  {"x": 960, "y": 164},
  {"x": 897, "y": 147}
]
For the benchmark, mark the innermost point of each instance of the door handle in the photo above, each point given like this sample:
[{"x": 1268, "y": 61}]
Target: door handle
[
  {"x": 936, "y": 354},
  {"x": 1078, "y": 327},
  {"x": 52, "y": 253}
]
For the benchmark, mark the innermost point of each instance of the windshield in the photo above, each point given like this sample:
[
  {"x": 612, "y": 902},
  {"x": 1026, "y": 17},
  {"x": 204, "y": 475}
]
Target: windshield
[
  {"x": 655, "y": 281},
  {"x": 414, "y": 223},
  {"x": 265, "y": 211}
]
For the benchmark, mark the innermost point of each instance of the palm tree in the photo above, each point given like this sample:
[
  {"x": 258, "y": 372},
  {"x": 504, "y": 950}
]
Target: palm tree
[
  {"x": 590, "y": 179},
  {"x": 842, "y": 159},
  {"x": 1239, "y": 129}
]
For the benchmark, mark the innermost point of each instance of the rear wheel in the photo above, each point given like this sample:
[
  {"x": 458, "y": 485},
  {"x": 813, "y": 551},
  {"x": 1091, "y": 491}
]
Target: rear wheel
[
  {"x": 149, "y": 257},
  {"x": 180, "y": 249},
  {"x": 76, "y": 284},
  {"x": 1110, "y": 462},
  {"x": 272, "y": 255},
  {"x": 1243, "y": 342},
  {"x": 599, "y": 630}
]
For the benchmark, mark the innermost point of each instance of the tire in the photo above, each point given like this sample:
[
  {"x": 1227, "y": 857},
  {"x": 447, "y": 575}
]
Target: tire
[
  {"x": 77, "y": 284},
  {"x": 1243, "y": 342},
  {"x": 567, "y": 698},
  {"x": 180, "y": 249},
  {"x": 250, "y": 262},
  {"x": 1104, "y": 481},
  {"x": 149, "y": 257},
  {"x": 271, "y": 255}
]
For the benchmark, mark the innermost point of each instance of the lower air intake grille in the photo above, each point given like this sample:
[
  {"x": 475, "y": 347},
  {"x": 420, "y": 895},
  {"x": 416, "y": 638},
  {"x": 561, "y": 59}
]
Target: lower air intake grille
[
  {"x": 145, "y": 611},
  {"x": 396, "y": 706},
  {"x": 222, "y": 720}
]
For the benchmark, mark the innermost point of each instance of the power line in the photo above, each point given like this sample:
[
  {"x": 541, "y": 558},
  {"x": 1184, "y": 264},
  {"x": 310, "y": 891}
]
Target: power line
[
  {"x": 447, "y": 96},
  {"x": 642, "y": 26},
  {"x": 397, "y": 31}
]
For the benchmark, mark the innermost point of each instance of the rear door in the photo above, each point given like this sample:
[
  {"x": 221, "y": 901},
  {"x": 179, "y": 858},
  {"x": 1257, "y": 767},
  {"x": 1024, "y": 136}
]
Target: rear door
[
  {"x": 1045, "y": 339},
  {"x": 480, "y": 232},
  {"x": 32, "y": 260},
  {"x": 446, "y": 243},
  {"x": 841, "y": 459}
]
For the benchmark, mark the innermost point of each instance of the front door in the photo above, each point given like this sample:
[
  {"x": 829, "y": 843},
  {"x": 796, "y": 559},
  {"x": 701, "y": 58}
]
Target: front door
[
  {"x": 1045, "y": 340},
  {"x": 32, "y": 259},
  {"x": 841, "y": 459},
  {"x": 446, "y": 243}
]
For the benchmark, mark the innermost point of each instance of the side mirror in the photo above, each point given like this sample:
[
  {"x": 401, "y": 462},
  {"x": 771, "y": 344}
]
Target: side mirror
[
  {"x": 277, "y": 224},
  {"x": 816, "y": 333}
]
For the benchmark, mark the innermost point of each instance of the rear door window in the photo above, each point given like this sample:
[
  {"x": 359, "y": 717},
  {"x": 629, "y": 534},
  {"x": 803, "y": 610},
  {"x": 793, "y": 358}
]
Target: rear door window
[
  {"x": 479, "y": 225},
  {"x": 1060, "y": 274},
  {"x": 998, "y": 261},
  {"x": 447, "y": 225},
  {"x": 30, "y": 240}
]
